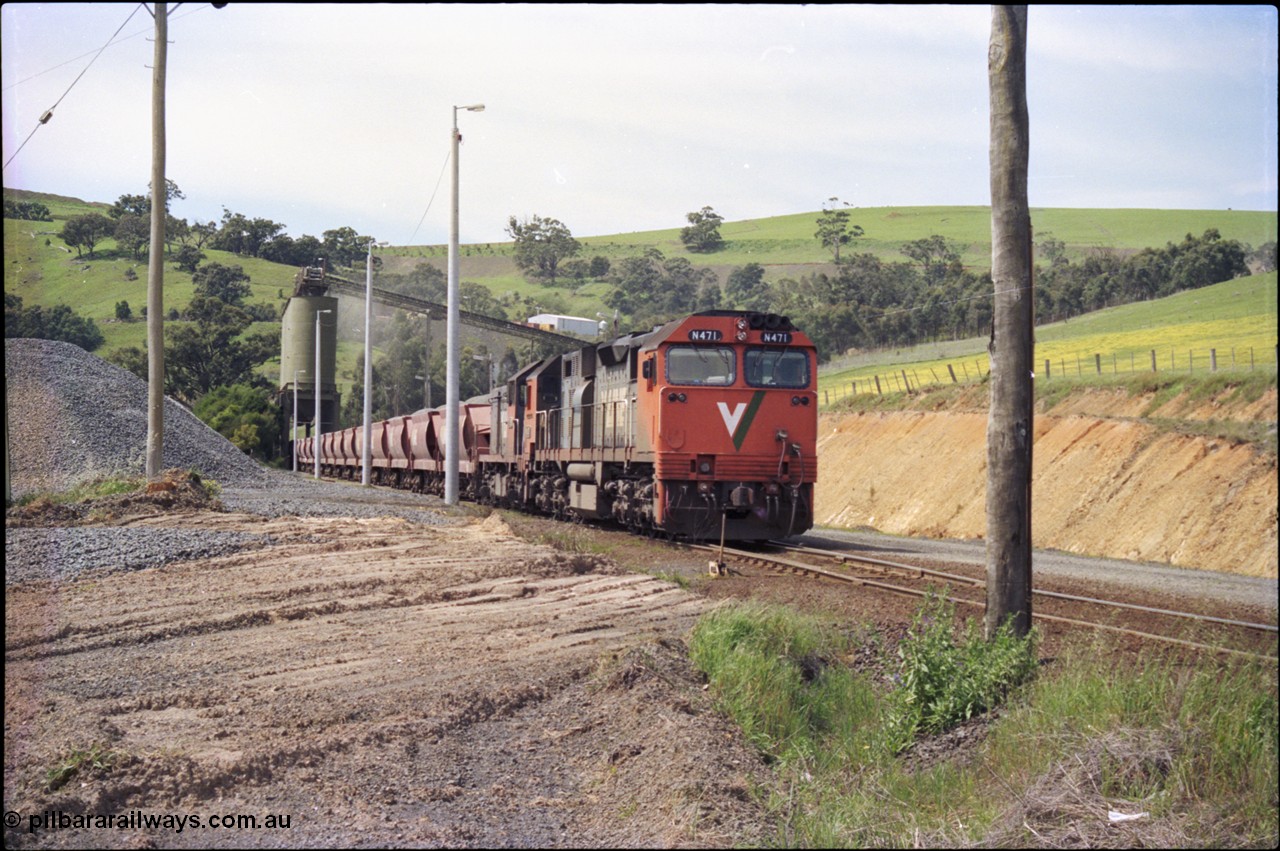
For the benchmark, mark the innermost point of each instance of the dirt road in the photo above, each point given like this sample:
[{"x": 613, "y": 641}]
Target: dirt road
[{"x": 375, "y": 683}]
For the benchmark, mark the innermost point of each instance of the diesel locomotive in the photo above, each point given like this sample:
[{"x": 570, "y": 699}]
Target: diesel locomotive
[{"x": 703, "y": 427}]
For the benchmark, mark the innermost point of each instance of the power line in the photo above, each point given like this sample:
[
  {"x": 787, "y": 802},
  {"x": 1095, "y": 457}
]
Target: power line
[
  {"x": 111, "y": 43},
  {"x": 48, "y": 113},
  {"x": 432, "y": 198}
]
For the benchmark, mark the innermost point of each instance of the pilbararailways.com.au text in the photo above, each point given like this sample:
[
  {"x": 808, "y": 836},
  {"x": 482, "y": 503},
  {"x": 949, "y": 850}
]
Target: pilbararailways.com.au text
[{"x": 139, "y": 820}]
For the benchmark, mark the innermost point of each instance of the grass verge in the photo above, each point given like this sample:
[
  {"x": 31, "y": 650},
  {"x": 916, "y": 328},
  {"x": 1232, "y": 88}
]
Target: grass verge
[{"x": 1189, "y": 745}]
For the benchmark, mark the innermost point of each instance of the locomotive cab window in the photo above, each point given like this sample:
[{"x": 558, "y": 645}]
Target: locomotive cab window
[
  {"x": 701, "y": 365},
  {"x": 787, "y": 368}
]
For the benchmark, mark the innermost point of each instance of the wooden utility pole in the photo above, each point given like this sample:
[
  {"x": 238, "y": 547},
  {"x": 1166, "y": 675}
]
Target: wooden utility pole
[
  {"x": 1010, "y": 424},
  {"x": 155, "y": 276}
]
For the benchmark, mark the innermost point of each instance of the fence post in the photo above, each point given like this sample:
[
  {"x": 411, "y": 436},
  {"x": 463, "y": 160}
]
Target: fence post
[
  {"x": 825, "y": 398},
  {"x": 1097, "y": 362},
  {"x": 878, "y": 390},
  {"x": 1046, "y": 368},
  {"x": 1213, "y": 360},
  {"x": 1153, "y": 360},
  {"x": 935, "y": 375},
  {"x": 906, "y": 384},
  {"x": 1191, "y": 361},
  {"x": 952, "y": 370}
]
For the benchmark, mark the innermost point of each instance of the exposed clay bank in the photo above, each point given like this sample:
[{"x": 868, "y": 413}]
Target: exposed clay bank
[{"x": 1111, "y": 482}]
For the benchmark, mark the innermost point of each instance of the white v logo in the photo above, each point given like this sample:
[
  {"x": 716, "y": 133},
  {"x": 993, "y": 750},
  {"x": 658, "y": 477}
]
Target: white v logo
[{"x": 731, "y": 420}]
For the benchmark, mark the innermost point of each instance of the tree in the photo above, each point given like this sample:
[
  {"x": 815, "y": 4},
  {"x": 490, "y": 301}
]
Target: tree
[
  {"x": 86, "y": 231},
  {"x": 188, "y": 258},
  {"x": 124, "y": 313},
  {"x": 599, "y": 266},
  {"x": 29, "y": 210},
  {"x": 653, "y": 289},
  {"x": 140, "y": 205},
  {"x": 133, "y": 233},
  {"x": 936, "y": 255},
  {"x": 423, "y": 281},
  {"x": 55, "y": 323},
  {"x": 246, "y": 415},
  {"x": 540, "y": 245},
  {"x": 746, "y": 288},
  {"x": 202, "y": 232},
  {"x": 344, "y": 246},
  {"x": 834, "y": 229},
  {"x": 131, "y": 205},
  {"x": 476, "y": 298},
  {"x": 207, "y": 351},
  {"x": 703, "y": 233},
  {"x": 228, "y": 283}
]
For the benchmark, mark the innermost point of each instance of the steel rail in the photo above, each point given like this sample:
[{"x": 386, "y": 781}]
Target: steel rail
[
  {"x": 911, "y": 568},
  {"x": 858, "y": 580}
]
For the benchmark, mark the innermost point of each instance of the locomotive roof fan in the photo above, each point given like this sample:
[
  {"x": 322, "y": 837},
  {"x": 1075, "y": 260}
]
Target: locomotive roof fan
[{"x": 769, "y": 322}]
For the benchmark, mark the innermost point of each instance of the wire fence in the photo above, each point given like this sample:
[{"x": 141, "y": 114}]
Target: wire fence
[{"x": 1079, "y": 366}]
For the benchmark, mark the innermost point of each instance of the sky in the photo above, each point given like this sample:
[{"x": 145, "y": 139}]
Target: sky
[{"x": 615, "y": 119}]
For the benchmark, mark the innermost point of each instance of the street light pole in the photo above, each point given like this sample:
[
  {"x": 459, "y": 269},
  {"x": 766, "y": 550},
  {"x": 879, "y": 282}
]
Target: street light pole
[
  {"x": 368, "y": 365},
  {"x": 451, "y": 333},
  {"x": 315, "y": 440},
  {"x": 293, "y": 433}
]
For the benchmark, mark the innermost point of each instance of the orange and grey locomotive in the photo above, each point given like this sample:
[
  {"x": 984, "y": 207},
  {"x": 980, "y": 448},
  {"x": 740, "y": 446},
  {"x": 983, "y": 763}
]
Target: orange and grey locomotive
[{"x": 706, "y": 424}]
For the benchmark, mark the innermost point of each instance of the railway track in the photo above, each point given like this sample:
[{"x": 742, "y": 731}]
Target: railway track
[{"x": 1212, "y": 633}]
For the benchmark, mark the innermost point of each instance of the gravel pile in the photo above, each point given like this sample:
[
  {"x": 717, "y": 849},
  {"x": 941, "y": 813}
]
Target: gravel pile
[{"x": 73, "y": 418}]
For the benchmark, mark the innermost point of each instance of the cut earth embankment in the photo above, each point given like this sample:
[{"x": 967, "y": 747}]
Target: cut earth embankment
[{"x": 1110, "y": 484}]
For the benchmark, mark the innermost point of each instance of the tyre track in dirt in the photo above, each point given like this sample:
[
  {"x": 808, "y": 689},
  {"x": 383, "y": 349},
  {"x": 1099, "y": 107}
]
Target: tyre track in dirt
[{"x": 415, "y": 685}]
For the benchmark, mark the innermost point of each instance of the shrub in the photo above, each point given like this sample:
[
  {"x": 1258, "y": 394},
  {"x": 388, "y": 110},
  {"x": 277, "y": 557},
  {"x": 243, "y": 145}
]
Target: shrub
[{"x": 942, "y": 683}]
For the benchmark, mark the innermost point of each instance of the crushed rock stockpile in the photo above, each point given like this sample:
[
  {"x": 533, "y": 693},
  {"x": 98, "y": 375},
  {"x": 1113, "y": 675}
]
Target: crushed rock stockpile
[
  {"x": 1118, "y": 488},
  {"x": 74, "y": 418}
]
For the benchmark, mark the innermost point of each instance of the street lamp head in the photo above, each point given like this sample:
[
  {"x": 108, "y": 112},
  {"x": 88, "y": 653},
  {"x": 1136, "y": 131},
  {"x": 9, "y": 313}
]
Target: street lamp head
[{"x": 475, "y": 107}]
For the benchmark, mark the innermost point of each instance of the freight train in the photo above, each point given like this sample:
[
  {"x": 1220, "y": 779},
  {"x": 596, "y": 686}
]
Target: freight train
[{"x": 701, "y": 428}]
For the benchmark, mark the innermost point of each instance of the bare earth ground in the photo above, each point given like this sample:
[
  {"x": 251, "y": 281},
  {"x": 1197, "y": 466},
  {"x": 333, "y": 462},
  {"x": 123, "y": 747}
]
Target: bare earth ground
[
  {"x": 382, "y": 683},
  {"x": 391, "y": 683}
]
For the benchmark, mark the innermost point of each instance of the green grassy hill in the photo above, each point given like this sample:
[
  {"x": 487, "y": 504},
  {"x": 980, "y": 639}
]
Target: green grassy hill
[
  {"x": 42, "y": 270},
  {"x": 786, "y": 246}
]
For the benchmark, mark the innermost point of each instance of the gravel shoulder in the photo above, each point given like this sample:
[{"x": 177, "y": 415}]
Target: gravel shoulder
[{"x": 383, "y": 682}]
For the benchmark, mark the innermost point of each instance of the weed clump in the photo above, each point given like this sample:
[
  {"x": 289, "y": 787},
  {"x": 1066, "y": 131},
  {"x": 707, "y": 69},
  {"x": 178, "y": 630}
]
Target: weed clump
[{"x": 942, "y": 682}]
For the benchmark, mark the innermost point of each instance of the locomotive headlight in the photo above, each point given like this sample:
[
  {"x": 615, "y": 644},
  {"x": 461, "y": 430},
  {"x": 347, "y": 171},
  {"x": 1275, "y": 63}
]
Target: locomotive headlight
[
  {"x": 742, "y": 325},
  {"x": 704, "y": 468},
  {"x": 705, "y": 487},
  {"x": 683, "y": 398},
  {"x": 742, "y": 336}
]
